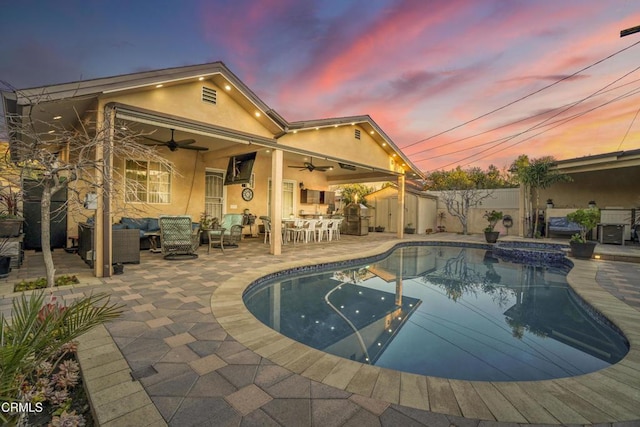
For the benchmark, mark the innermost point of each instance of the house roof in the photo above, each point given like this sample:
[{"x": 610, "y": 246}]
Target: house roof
[
  {"x": 409, "y": 189},
  {"x": 605, "y": 161},
  {"x": 80, "y": 96}
]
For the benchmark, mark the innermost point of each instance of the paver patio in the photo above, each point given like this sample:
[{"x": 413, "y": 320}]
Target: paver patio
[{"x": 199, "y": 359}]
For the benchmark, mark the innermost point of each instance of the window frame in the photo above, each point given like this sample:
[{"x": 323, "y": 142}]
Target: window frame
[{"x": 131, "y": 193}]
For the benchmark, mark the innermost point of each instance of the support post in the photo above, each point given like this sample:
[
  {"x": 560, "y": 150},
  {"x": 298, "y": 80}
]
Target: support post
[
  {"x": 400, "y": 225},
  {"x": 277, "y": 165}
]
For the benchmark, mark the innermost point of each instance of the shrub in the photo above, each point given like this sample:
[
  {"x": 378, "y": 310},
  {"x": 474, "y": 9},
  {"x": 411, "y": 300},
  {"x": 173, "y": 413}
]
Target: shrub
[
  {"x": 586, "y": 219},
  {"x": 492, "y": 217},
  {"x": 41, "y": 283},
  {"x": 37, "y": 334}
]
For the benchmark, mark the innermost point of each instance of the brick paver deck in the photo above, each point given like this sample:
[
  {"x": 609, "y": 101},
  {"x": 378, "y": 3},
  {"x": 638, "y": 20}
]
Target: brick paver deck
[{"x": 199, "y": 358}]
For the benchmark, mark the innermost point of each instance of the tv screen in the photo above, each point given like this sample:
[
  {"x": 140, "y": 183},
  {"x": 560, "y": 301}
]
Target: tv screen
[{"x": 239, "y": 169}]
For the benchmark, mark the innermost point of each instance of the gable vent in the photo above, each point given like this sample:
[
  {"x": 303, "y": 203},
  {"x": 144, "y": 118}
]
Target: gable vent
[
  {"x": 357, "y": 133},
  {"x": 209, "y": 95}
]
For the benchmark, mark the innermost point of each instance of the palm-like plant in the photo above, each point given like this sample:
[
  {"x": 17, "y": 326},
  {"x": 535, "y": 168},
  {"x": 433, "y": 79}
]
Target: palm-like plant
[
  {"x": 37, "y": 331},
  {"x": 534, "y": 175}
]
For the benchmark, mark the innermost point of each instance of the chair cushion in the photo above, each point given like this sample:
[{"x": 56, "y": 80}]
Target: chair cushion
[
  {"x": 139, "y": 223},
  {"x": 119, "y": 226},
  {"x": 153, "y": 224}
]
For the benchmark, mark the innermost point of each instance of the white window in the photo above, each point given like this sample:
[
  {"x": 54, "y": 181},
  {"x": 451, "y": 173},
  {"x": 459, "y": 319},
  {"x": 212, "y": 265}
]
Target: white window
[
  {"x": 288, "y": 198},
  {"x": 147, "y": 182}
]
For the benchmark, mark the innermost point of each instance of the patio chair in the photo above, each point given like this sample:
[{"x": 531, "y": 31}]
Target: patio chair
[
  {"x": 334, "y": 229},
  {"x": 178, "y": 238},
  {"x": 323, "y": 230},
  {"x": 308, "y": 231},
  {"x": 228, "y": 233},
  {"x": 267, "y": 228}
]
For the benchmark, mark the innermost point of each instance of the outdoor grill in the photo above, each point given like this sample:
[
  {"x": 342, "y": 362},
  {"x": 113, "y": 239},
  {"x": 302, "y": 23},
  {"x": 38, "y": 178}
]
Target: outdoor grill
[{"x": 356, "y": 219}]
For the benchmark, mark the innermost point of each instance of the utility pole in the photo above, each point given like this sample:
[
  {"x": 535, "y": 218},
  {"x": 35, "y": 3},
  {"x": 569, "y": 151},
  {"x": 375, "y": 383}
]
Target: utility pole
[{"x": 630, "y": 31}]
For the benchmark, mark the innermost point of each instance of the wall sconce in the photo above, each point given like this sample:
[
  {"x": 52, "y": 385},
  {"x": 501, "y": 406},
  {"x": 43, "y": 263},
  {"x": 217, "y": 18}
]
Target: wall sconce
[{"x": 301, "y": 185}]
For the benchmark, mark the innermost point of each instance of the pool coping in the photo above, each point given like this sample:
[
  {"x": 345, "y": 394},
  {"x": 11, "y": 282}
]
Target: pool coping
[{"x": 608, "y": 395}]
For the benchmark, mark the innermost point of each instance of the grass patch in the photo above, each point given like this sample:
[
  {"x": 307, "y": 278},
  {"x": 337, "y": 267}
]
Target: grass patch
[{"x": 41, "y": 283}]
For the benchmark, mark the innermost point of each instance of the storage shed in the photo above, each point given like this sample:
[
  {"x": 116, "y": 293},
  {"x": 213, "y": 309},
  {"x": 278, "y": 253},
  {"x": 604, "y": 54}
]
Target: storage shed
[{"x": 420, "y": 209}]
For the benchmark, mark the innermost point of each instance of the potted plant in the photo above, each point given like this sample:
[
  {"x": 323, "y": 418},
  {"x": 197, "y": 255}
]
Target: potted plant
[
  {"x": 410, "y": 229},
  {"x": 587, "y": 219},
  {"x": 10, "y": 220},
  {"x": 549, "y": 203},
  {"x": 492, "y": 218},
  {"x": 5, "y": 258},
  {"x": 207, "y": 222}
]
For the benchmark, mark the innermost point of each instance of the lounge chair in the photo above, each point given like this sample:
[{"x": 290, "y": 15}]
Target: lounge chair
[
  {"x": 178, "y": 237},
  {"x": 228, "y": 232}
]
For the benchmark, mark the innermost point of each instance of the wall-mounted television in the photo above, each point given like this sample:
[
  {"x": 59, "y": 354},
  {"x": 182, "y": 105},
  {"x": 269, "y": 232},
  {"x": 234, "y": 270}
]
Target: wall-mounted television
[{"x": 239, "y": 169}]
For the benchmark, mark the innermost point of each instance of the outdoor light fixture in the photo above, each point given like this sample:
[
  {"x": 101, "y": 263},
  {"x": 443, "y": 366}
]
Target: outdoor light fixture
[
  {"x": 227, "y": 87},
  {"x": 201, "y": 78},
  {"x": 57, "y": 117},
  {"x": 158, "y": 86},
  {"x": 257, "y": 114}
]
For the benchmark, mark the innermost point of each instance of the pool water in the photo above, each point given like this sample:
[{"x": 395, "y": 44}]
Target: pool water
[{"x": 453, "y": 312}]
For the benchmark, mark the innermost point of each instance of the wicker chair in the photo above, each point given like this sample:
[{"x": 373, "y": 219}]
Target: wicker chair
[
  {"x": 228, "y": 232},
  {"x": 178, "y": 238}
]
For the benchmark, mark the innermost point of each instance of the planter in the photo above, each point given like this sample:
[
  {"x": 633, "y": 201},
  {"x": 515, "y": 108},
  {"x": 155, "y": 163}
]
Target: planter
[
  {"x": 582, "y": 250},
  {"x": 491, "y": 236},
  {"x": 408, "y": 230},
  {"x": 118, "y": 268},
  {"x": 371, "y": 229},
  {"x": 10, "y": 227},
  {"x": 379, "y": 229},
  {"x": 5, "y": 266}
]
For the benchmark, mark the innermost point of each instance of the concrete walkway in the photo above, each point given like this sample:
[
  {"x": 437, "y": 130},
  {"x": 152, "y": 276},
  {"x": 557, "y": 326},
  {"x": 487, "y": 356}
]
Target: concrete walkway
[{"x": 198, "y": 359}]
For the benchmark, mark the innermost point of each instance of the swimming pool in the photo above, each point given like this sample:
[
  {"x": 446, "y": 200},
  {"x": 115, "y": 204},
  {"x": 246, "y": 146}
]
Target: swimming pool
[{"x": 454, "y": 312}]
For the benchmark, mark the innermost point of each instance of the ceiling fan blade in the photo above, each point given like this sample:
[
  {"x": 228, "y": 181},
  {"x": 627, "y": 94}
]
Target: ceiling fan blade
[
  {"x": 185, "y": 142},
  {"x": 186, "y": 147},
  {"x": 324, "y": 168},
  {"x": 297, "y": 167},
  {"x": 157, "y": 141}
]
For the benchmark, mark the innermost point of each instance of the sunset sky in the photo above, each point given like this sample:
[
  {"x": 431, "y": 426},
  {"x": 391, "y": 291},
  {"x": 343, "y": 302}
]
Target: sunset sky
[{"x": 430, "y": 73}]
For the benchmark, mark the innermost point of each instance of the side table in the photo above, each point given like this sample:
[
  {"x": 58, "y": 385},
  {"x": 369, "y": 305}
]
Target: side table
[
  {"x": 153, "y": 241},
  {"x": 209, "y": 234}
]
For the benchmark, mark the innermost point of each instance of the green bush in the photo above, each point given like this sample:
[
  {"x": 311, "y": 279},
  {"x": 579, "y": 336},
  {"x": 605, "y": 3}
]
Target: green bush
[
  {"x": 492, "y": 217},
  {"x": 37, "y": 332},
  {"x": 586, "y": 219},
  {"x": 41, "y": 283}
]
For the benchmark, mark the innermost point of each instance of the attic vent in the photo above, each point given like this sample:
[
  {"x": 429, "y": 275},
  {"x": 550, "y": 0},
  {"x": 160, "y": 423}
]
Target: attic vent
[
  {"x": 209, "y": 95},
  {"x": 357, "y": 133}
]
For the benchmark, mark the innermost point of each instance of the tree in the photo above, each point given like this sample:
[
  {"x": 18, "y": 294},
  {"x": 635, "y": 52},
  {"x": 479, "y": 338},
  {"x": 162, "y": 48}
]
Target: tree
[
  {"x": 535, "y": 175},
  {"x": 352, "y": 193},
  {"x": 462, "y": 189},
  {"x": 58, "y": 158}
]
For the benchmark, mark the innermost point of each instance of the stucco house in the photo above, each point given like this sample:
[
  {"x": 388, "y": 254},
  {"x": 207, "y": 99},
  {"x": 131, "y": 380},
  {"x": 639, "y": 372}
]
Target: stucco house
[{"x": 211, "y": 105}]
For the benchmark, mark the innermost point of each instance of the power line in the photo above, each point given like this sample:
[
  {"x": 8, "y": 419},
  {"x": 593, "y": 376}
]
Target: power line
[
  {"x": 559, "y": 123},
  {"x": 538, "y": 125},
  {"x": 628, "y": 129},
  {"x": 523, "y": 97},
  {"x": 507, "y": 125}
]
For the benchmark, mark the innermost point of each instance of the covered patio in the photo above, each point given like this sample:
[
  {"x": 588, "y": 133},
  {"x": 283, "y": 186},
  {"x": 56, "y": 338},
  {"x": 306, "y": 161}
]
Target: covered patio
[{"x": 205, "y": 121}]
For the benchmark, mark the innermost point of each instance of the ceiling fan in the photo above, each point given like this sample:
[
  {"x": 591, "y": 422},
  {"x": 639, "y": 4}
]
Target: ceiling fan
[
  {"x": 173, "y": 145},
  {"x": 311, "y": 167}
]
